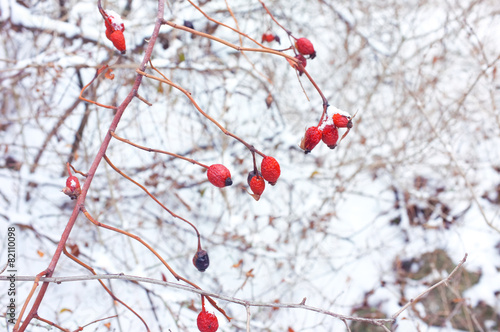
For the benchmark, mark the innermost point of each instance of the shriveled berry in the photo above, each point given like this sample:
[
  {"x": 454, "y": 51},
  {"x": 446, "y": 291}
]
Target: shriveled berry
[
  {"x": 270, "y": 169},
  {"x": 330, "y": 136},
  {"x": 303, "y": 61},
  {"x": 207, "y": 322},
  {"x": 201, "y": 261},
  {"x": 256, "y": 183},
  {"x": 342, "y": 121},
  {"x": 311, "y": 139},
  {"x": 305, "y": 47},
  {"x": 219, "y": 176},
  {"x": 72, "y": 188}
]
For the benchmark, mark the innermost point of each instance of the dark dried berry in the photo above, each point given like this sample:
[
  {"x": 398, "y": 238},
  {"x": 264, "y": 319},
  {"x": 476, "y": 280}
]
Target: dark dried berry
[{"x": 201, "y": 261}]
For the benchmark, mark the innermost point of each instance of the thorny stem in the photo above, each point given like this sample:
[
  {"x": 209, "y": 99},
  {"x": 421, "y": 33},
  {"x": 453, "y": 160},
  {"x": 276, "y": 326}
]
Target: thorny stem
[
  {"x": 76, "y": 260},
  {"x": 151, "y": 195},
  {"x": 191, "y": 99},
  {"x": 158, "y": 151},
  {"x": 18, "y": 327}
]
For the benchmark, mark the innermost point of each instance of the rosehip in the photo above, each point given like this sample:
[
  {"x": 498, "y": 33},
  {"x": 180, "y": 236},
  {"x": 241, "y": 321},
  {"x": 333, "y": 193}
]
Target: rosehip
[
  {"x": 219, "y": 176},
  {"x": 114, "y": 28},
  {"x": 305, "y": 47},
  {"x": 311, "y": 139},
  {"x": 342, "y": 121},
  {"x": 207, "y": 322},
  {"x": 72, "y": 188},
  {"x": 118, "y": 41},
  {"x": 270, "y": 169},
  {"x": 201, "y": 261},
  {"x": 330, "y": 136},
  {"x": 268, "y": 37},
  {"x": 256, "y": 183}
]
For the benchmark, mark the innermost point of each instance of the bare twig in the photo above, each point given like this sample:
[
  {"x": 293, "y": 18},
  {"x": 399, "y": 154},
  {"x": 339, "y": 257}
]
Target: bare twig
[{"x": 444, "y": 281}]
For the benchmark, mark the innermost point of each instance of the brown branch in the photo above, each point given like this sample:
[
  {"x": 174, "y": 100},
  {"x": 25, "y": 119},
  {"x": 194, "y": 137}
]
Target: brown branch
[
  {"x": 151, "y": 195},
  {"x": 81, "y": 199},
  {"x": 444, "y": 281},
  {"x": 191, "y": 99},
  {"x": 76, "y": 260},
  {"x": 154, "y": 252},
  {"x": 158, "y": 151}
]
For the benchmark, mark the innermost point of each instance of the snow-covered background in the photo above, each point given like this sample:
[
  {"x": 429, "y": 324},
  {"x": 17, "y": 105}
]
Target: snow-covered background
[{"x": 358, "y": 230}]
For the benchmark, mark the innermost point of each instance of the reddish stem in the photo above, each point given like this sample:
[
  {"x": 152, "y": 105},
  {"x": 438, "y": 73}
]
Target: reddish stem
[{"x": 95, "y": 164}]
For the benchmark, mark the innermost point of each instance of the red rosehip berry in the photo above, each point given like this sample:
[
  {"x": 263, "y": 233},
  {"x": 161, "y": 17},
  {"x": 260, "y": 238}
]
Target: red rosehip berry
[
  {"x": 201, "y": 260},
  {"x": 72, "y": 188},
  {"x": 118, "y": 41},
  {"x": 305, "y": 47},
  {"x": 207, "y": 322},
  {"x": 342, "y": 121},
  {"x": 330, "y": 136},
  {"x": 256, "y": 183},
  {"x": 311, "y": 139},
  {"x": 114, "y": 28},
  {"x": 219, "y": 176},
  {"x": 269, "y": 37},
  {"x": 270, "y": 169}
]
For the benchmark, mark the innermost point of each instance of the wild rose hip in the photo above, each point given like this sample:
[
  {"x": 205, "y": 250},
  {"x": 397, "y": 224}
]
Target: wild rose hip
[
  {"x": 72, "y": 188},
  {"x": 118, "y": 41},
  {"x": 219, "y": 176},
  {"x": 270, "y": 169},
  {"x": 342, "y": 121},
  {"x": 256, "y": 183},
  {"x": 330, "y": 136},
  {"x": 114, "y": 28},
  {"x": 268, "y": 37},
  {"x": 305, "y": 47},
  {"x": 311, "y": 139},
  {"x": 207, "y": 322},
  {"x": 201, "y": 260}
]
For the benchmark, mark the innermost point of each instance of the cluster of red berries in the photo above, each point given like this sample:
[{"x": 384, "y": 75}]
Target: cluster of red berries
[
  {"x": 328, "y": 133},
  {"x": 114, "y": 29},
  {"x": 207, "y": 322},
  {"x": 270, "y": 171},
  {"x": 305, "y": 48}
]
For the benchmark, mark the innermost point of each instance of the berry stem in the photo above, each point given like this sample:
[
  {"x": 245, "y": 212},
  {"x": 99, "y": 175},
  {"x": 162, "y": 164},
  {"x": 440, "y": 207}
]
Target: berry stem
[
  {"x": 224, "y": 130},
  {"x": 274, "y": 19},
  {"x": 151, "y": 195},
  {"x": 124, "y": 140}
]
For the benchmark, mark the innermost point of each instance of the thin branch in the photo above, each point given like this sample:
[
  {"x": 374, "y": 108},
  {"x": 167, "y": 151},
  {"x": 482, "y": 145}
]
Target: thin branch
[
  {"x": 124, "y": 140},
  {"x": 444, "y": 281},
  {"x": 191, "y": 99},
  {"x": 245, "y": 303}
]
